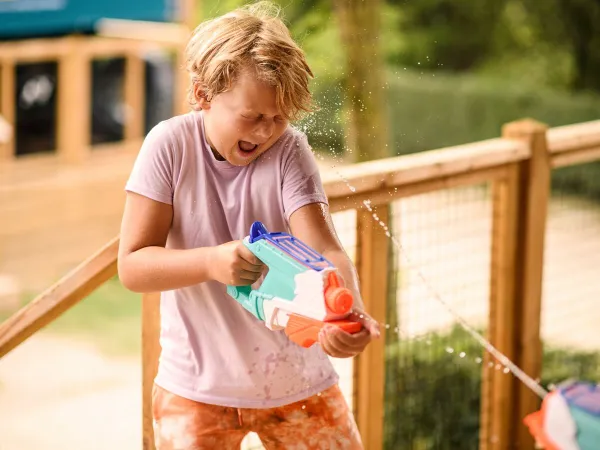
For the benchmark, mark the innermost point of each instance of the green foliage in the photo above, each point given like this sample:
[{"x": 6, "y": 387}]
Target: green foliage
[
  {"x": 519, "y": 54},
  {"x": 453, "y": 34},
  {"x": 581, "y": 180},
  {"x": 436, "y": 110},
  {"x": 571, "y": 25},
  {"x": 433, "y": 396}
]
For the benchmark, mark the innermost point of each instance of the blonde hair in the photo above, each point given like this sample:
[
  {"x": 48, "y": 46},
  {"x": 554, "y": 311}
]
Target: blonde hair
[{"x": 253, "y": 36}]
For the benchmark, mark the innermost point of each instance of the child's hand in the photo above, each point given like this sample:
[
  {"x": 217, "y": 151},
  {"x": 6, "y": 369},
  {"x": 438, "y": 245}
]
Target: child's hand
[
  {"x": 234, "y": 264},
  {"x": 340, "y": 344}
]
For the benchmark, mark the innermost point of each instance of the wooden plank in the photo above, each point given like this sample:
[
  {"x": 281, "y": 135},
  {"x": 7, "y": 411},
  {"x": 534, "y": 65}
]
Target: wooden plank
[
  {"x": 173, "y": 34},
  {"x": 369, "y": 367},
  {"x": 74, "y": 104},
  {"x": 573, "y": 137},
  {"x": 51, "y": 49},
  {"x": 385, "y": 195},
  {"x": 150, "y": 354},
  {"x": 572, "y": 158},
  {"x": 498, "y": 394},
  {"x": 34, "y": 50},
  {"x": 35, "y": 172},
  {"x": 67, "y": 292},
  {"x": 430, "y": 165},
  {"x": 534, "y": 191},
  {"x": 7, "y": 110},
  {"x": 134, "y": 97}
]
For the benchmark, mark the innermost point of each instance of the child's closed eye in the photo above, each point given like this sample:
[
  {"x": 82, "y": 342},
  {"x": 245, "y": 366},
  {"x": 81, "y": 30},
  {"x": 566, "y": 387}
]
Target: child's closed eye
[{"x": 249, "y": 117}]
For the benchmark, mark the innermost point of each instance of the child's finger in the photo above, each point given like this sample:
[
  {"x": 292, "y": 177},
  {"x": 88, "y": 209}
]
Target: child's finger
[
  {"x": 249, "y": 267},
  {"x": 349, "y": 344},
  {"x": 353, "y": 342},
  {"x": 250, "y": 276},
  {"x": 331, "y": 348},
  {"x": 367, "y": 321},
  {"x": 249, "y": 257}
]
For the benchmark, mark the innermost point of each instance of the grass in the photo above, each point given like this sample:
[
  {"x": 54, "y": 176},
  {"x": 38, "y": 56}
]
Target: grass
[{"x": 109, "y": 318}]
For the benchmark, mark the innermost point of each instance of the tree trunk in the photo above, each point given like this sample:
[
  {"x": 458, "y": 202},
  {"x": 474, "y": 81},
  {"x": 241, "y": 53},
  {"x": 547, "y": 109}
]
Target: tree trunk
[{"x": 366, "y": 111}]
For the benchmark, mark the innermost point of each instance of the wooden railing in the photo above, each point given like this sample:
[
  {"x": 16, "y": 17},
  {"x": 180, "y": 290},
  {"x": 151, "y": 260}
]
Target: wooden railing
[{"x": 518, "y": 167}]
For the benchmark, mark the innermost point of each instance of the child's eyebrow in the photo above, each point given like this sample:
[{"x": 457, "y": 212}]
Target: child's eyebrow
[{"x": 258, "y": 114}]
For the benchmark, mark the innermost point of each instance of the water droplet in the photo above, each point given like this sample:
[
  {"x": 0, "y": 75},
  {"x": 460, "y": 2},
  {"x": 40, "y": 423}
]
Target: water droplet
[
  {"x": 506, "y": 370},
  {"x": 303, "y": 406},
  {"x": 462, "y": 354},
  {"x": 449, "y": 349},
  {"x": 387, "y": 326},
  {"x": 478, "y": 360}
]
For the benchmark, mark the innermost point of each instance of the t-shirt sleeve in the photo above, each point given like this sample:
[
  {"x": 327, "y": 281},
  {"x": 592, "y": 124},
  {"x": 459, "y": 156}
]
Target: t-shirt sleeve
[
  {"x": 152, "y": 172},
  {"x": 301, "y": 178}
]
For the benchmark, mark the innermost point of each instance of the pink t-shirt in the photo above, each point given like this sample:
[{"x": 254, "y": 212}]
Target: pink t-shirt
[{"x": 213, "y": 350}]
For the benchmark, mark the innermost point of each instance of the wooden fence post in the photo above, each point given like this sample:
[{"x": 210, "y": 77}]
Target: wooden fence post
[
  {"x": 74, "y": 103},
  {"x": 7, "y": 110},
  {"x": 498, "y": 400},
  {"x": 369, "y": 367},
  {"x": 534, "y": 192},
  {"x": 150, "y": 355},
  {"x": 134, "y": 97},
  {"x": 520, "y": 210}
]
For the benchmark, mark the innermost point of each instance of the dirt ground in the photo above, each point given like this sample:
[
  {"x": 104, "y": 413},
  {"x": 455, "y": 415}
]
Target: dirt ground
[{"x": 62, "y": 394}]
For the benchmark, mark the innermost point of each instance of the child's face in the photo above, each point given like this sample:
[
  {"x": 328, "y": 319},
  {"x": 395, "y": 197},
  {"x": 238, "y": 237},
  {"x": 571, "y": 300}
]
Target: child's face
[{"x": 243, "y": 122}]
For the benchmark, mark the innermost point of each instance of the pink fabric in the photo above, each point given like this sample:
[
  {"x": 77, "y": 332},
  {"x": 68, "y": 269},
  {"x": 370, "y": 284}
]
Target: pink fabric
[{"x": 213, "y": 350}]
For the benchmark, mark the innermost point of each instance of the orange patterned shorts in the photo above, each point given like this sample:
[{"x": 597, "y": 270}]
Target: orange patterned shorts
[{"x": 323, "y": 421}]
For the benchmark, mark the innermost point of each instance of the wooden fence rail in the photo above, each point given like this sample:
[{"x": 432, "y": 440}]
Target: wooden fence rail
[{"x": 518, "y": 167}]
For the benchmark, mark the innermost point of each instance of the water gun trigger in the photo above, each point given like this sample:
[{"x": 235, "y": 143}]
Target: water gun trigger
[{"x": 304, "y": 331}]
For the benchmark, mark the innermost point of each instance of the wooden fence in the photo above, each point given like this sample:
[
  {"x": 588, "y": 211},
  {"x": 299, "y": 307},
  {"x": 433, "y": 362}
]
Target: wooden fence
[{"x": 518, "y": 166}]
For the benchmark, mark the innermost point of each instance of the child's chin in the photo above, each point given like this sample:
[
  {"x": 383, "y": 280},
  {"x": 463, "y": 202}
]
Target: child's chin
[{"x": 243, "y": 158}]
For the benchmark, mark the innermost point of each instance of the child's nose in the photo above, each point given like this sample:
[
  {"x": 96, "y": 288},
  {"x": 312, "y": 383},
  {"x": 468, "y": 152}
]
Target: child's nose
[{"x": 264, "y": 131}]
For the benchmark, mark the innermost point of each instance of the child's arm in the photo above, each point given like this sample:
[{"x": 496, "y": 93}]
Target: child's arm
[
  {"x": 312, "y": 224},
  {"x": 145, "y": 265}
]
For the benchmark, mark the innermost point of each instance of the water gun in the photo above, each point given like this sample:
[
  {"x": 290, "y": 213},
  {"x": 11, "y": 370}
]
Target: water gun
[
  {"x": 569, "y": 418},
  {"x": 301, "y": 292}
]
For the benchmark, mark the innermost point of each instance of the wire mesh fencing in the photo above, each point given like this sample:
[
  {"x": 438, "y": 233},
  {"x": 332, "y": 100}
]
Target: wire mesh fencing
[
  {"x": 440, "y": 263},
  {"x": 571, "y": 287}
]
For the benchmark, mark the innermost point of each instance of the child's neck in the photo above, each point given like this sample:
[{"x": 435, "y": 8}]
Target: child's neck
[{"x": 216, "y": 154}]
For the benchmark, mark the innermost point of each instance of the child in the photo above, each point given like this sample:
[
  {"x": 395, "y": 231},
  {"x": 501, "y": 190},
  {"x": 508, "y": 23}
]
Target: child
[{"x": 198, "y": 183}]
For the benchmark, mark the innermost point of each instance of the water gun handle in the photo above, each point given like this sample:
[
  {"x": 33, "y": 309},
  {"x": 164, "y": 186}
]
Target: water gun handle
[
  {"x": 304, "y": 331},
  {"x": 245, "y": 297}
]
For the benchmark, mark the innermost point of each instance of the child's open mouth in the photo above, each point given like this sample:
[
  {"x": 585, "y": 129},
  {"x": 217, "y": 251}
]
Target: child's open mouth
[{"x": 247, "y": 147}]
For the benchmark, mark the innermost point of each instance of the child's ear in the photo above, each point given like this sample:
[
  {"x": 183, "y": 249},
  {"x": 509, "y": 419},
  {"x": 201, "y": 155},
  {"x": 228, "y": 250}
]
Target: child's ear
[{"x": 201, "y": 98}]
